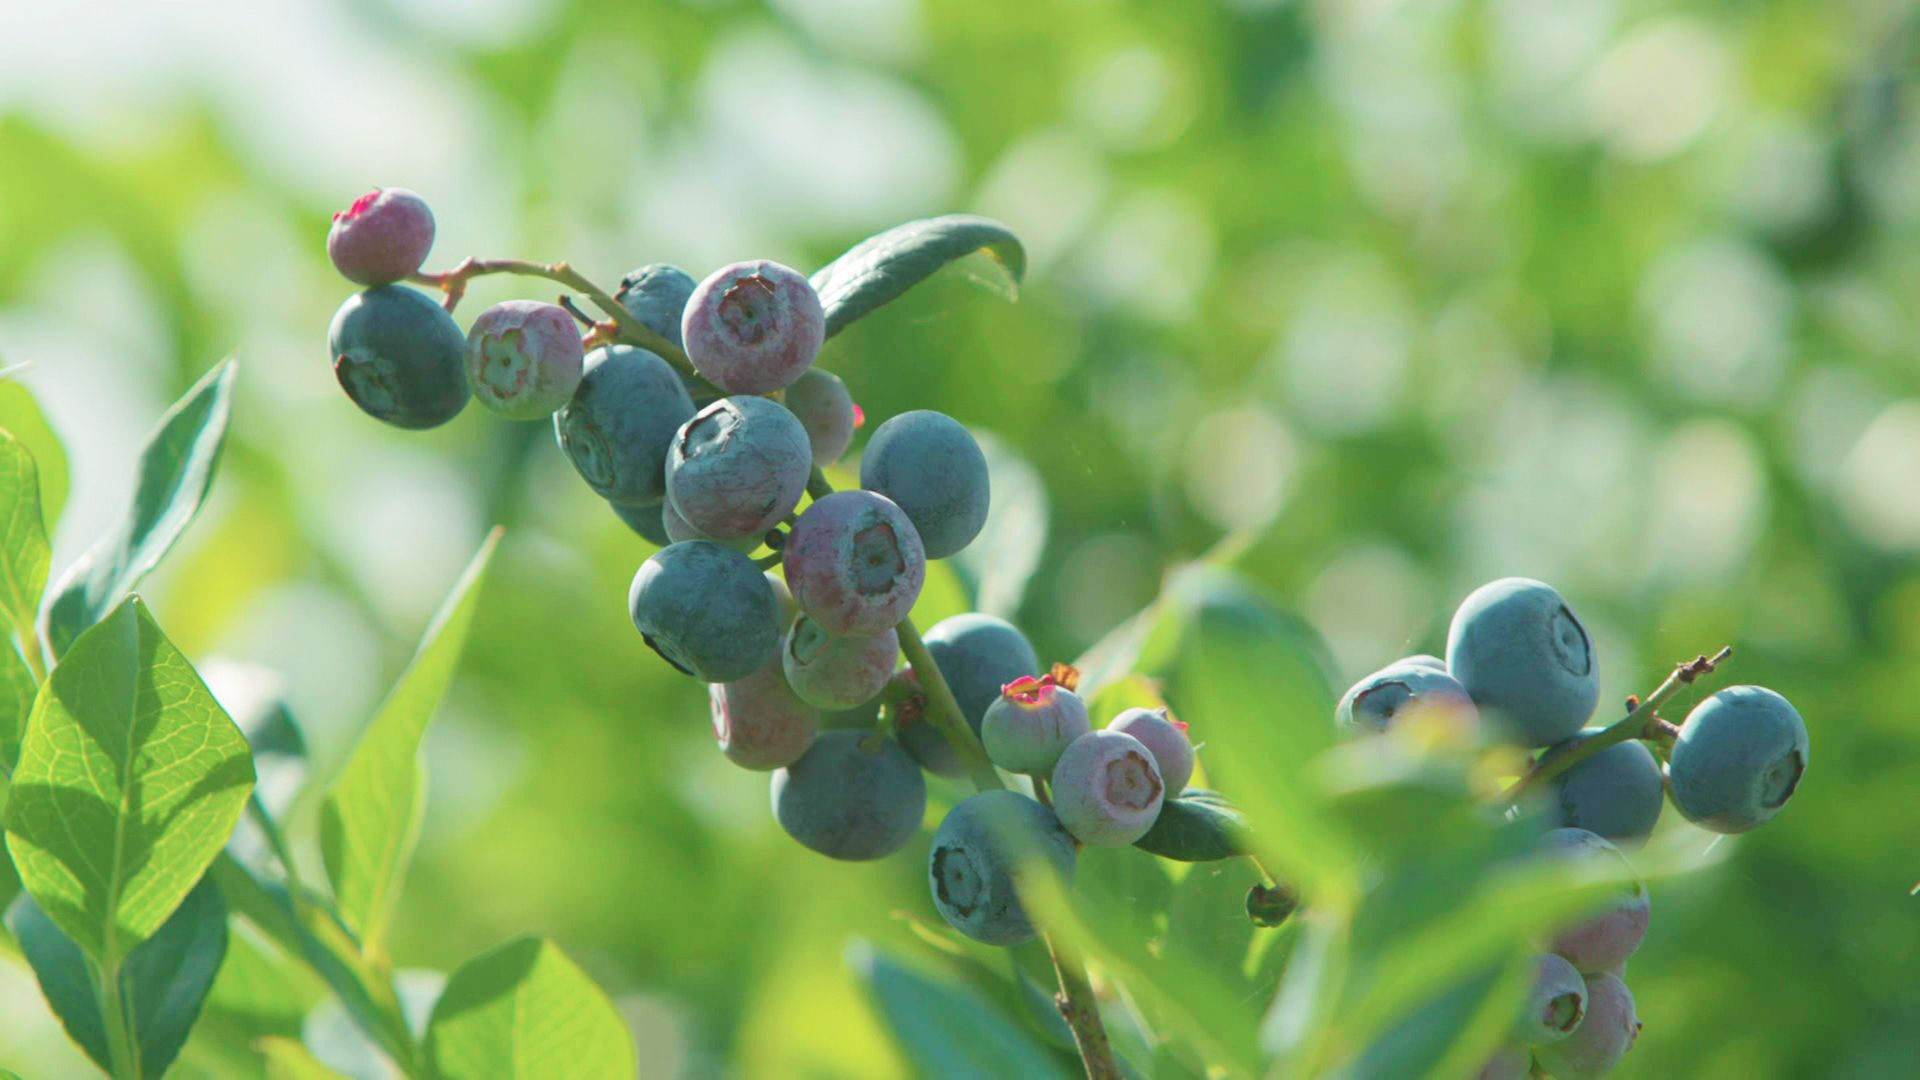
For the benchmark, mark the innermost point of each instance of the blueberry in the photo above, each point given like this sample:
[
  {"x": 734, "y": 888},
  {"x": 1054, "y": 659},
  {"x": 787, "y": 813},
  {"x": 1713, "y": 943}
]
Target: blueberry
[
  {"x": 759, "y": 722},
  {"x": 1030, "y": 724},
  {"x": 707, "y": 610},
  {"x": 1602, "y": 1039},
  {"x": 1373, "y": 703},
  {"x": 827, "y": 411},
  {"x": 1617, "y": 793},
  {"x": 855, "y": 564},
  {"x": 1507, "y": 1063},
  {"x": 524, "y": 359},
  {"x": 678, "y": 530},
  {"x": 1603, "y": 940},
  {"x": 621, "y": 420},
  {"x": 926, "y": 462},
  {"x": 977, "y": 655},
  {"x": 382, "y": 238},
  {"x": 738, "y": 467},
  {"x": 398, "y": 355},
  {"x": 1166, "y": 737},
  {"x": 1524, "y": 656},
  {"x": 1425, "y": 660},
  {"x": 1738, "y": 759},
  {"x": 646, "y": 521},
  {"x": 657, "y": 296},
  {"x": 838, "y": 672},
  {"x": 1556, "y": 1003},
  {"x": 753, "y": 327},
  {"x": 1107, "y": 789},
  {"x": 974, "y": 865},
  {"x": 853, "y": 795}
]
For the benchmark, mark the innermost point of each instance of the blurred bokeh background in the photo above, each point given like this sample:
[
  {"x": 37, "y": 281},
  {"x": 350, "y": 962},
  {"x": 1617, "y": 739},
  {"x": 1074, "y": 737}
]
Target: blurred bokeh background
[{"x": 1619, "y": 295}]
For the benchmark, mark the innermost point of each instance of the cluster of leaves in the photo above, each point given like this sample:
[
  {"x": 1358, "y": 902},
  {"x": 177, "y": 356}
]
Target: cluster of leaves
[{"x": 142, "y": 820}]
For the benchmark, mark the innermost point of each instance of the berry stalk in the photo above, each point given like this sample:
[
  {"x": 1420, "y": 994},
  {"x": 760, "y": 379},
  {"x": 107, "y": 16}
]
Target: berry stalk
[{"x": 1643, "y": 722}]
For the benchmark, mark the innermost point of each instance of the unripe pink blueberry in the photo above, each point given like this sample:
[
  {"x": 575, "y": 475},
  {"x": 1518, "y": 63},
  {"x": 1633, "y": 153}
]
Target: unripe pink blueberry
[
  {"x": 1607, "y": 939},
  {"x": 827, "y": 411},
  {"x": 759, "y": 722},
  {"x": 1107, "y": 789},
  {"x": 1031, "y": 723},
  {"x": 855, "y": 564},
  {"x": 753, "y": 327},
  {"x": 838, "y": 672},
  {"x": 382, "y": 238},
  {"x": 1159, "y": 732},
  {"x": 524, "y": 359},
  {"x": 1602, "y": 1039},
  {"x": 1507, "y": 1063}
]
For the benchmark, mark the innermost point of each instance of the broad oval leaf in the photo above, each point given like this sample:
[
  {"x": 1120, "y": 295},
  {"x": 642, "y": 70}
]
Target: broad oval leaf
[
  {"x": 24, "y": 554},
  {"x": 946, "y": 1029},
  {"x": 163, "y": 983},
  {"x": 17, "y": 690},
  {"x": 21, "y": 415},
  {"x": 880, "y": 268},
  {"x": 131, "y": 779},
  {"x": 371, "y": 817},
  {"x": 1197, "y": 827},
  {"x": 526, "y": 1010},
  {"x": 176, "y": 468}
]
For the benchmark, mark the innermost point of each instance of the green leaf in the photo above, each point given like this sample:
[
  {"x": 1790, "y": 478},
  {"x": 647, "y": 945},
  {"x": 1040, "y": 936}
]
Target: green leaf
[
  {"x": 163, "y": 983},
  {"x": 371, "y": 818},
  {"x": 131, "y": 779},
  {"x": 881, "y": 268},
  {"x": 1196, "y": 828},
  {"x": 21, "y": 415},
  {"x": 176, "y": 468},
  {"x": 24, "y": 554},
  {"x": 1002, "y": 559},
  {"x": 525, "y": 1010},
  {"x": 17, "y": 691},
  {"x": 945, "y": 1029},
  {"x": 288, "y": 1060}
]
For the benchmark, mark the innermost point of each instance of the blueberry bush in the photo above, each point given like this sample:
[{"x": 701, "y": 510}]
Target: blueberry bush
[{"x": 1445, "y": 871}]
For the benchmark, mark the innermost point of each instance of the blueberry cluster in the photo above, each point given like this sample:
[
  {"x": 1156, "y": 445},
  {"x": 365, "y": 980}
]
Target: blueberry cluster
[{"x": 1520, "y": 669}]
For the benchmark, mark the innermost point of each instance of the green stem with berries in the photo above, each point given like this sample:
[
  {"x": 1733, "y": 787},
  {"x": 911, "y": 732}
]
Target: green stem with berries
[{"x": 1641, "y": 722}]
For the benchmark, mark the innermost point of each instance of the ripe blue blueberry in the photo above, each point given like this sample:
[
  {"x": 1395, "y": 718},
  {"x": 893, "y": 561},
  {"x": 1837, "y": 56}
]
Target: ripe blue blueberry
[
  {"x": 977, "y": 655},
  {"x": 928, "y": 464},
  {"x": 1425, "y": 660},
  {"x": 1030, "y": 724},
  {"x": 759, "y": 722},
  {"x": 1166, "y": 737},
  {"x": 1107, "y": 789},
  {"x": 382, "y": 238},
  {"x": 855, "y": 564},
  {"x": 827, "y": 411},
  {"x": 838, "y": 672},
  {"x": 707, "y": 610},
  {"x": 738, "y": 467},
  {"x": 1609, "y": 937},
  {"x": 646, "y": 521},
  {"x": 1556, "y": 1003},
  {"x": 657, "y": 295},
  {"x": 524, "y": 359},
  {"x": 973, "y": 868},
  {"x": 398, "y": 355},
  {"x": 1617, "y": 793},
  {"x": 753, "y": 327},
  {"x": 1738, "y": 759},
  {"x": 1402, "y": 689},
  {"x": 853, "y": 795},
  {"x": 621, "y": 420},
  {"x": 1524, "y": 656},
  {"x": 1602, "y": 1039}
]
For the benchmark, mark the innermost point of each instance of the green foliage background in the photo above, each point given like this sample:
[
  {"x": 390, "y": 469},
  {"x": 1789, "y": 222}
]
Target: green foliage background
[{"x": 1422, "y": 293}]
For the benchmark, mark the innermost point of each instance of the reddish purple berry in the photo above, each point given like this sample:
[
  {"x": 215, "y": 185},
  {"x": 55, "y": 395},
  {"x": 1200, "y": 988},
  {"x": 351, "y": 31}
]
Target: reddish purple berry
[
  {"x": 1031, "y": 723},
  {"x": 1107, "y": 789},
  {"x": 759, "y": 722},
  {"x": 524, "y": 359},
  {"x": 382, "y": 238},
  {"x": 753, "y": 327},
  {"x": 1602, "y": 1039},
  {"x": 1159, "y": 732},
  {"x": 1606, "y": 939},
  {"x": 838, "y": 672},
  {"x": 827, "y": 411},
  {"x": 855, "y": 564}
]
